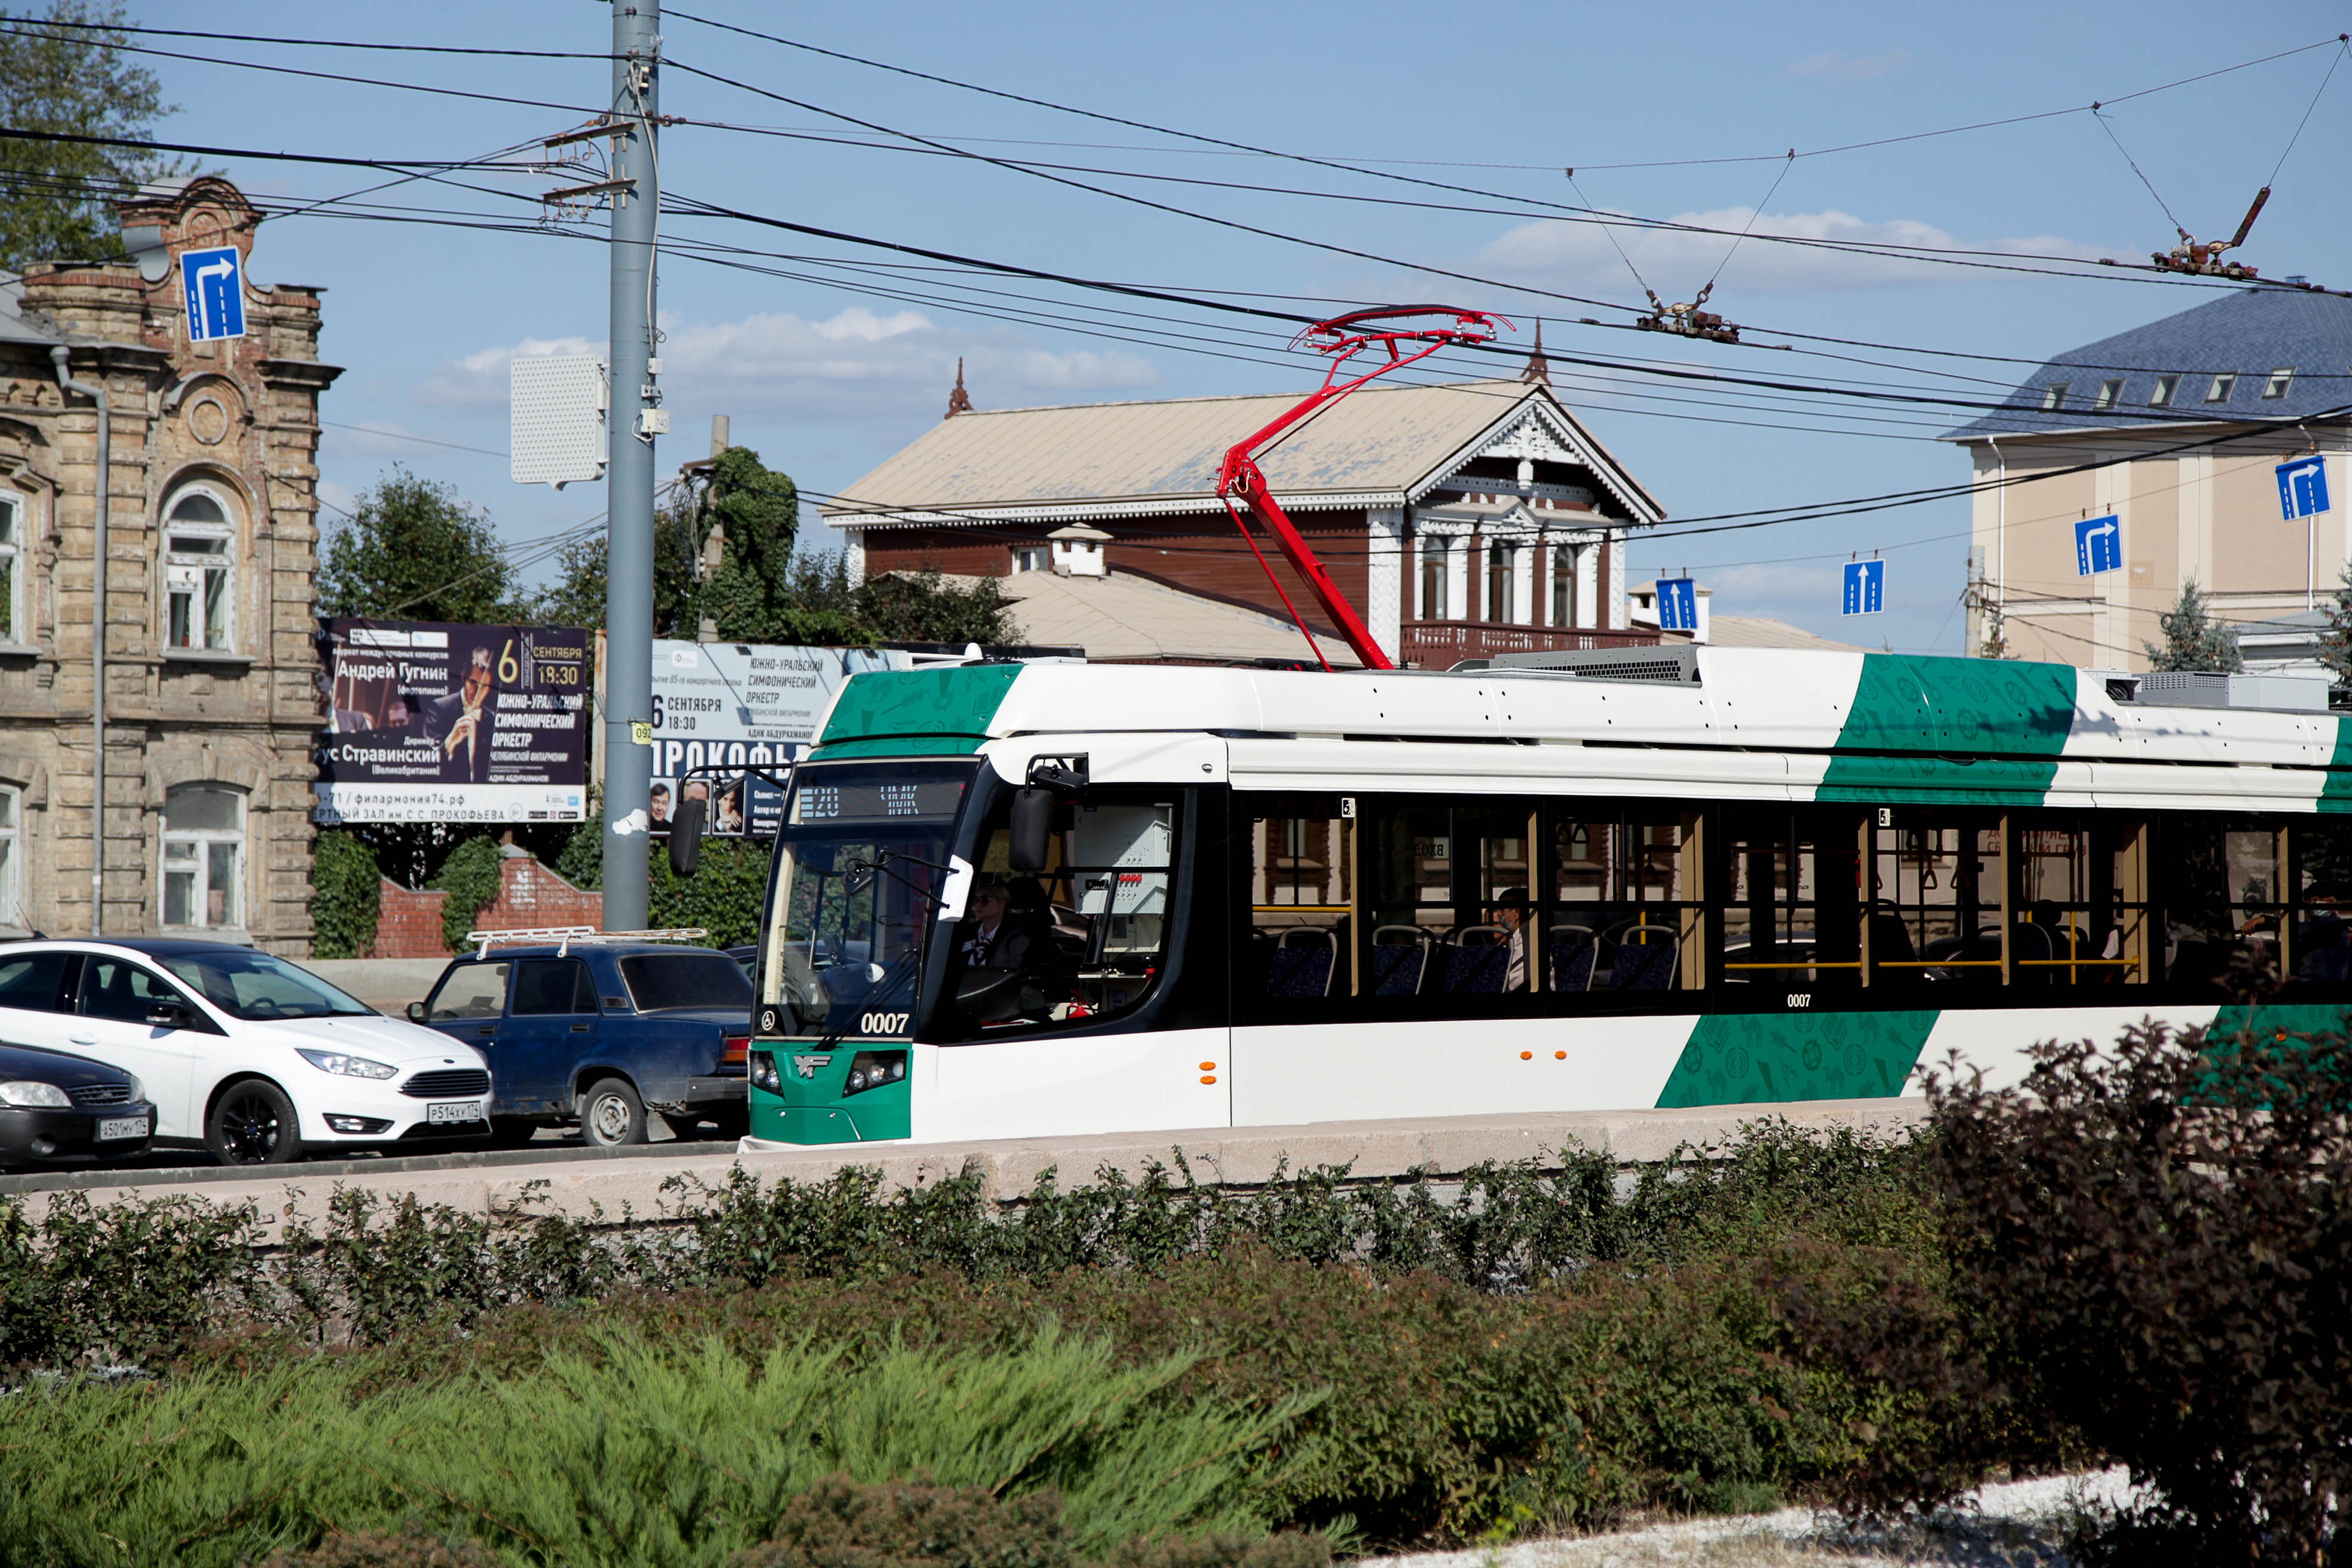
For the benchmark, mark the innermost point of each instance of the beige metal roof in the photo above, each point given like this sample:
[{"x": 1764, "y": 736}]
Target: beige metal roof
[
  {"x": 1763, "y": 631},
  {"x": 1122, "y": 616},
  {"x": 1380, "y": 443}
]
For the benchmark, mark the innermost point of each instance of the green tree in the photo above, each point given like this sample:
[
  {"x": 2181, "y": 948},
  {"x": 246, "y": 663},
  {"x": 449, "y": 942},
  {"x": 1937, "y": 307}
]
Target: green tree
[
  {"x": 925, "y": 607},
  {"x": 2336, "y": 642},
  {"x": 62, "y": 72},
  {"x": 576, "y": 598},
  {"x": 757, "y": 511},
  {"x": 2193, "y": 639},
  {"x": 412, "y": 551},
  {"x": 760, "y": 591}
]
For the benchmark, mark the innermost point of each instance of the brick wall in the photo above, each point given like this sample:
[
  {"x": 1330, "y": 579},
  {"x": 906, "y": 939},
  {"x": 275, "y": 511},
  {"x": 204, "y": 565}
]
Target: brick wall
[
  {"x": 408, "y": 925},
  {"x": 1202, "y": 554}
]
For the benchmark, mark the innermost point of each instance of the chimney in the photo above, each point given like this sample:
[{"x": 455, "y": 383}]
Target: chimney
[{"x": 959, "y": 400}]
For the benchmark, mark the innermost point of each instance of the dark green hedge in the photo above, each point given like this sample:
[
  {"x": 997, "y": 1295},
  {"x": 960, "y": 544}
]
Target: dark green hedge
[
  {"x": 346, "y": 893},
  {"x": 470, "y": 877}
]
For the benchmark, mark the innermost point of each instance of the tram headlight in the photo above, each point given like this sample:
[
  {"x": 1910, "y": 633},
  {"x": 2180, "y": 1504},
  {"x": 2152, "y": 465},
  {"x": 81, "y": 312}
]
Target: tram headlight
[
  {"x": 764, "y": 1072},
  {"x": 872, "y": 1069}
]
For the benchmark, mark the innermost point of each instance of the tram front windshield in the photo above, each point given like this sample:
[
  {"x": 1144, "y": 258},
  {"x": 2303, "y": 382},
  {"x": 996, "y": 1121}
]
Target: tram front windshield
[{"x": 858, "y": 872}]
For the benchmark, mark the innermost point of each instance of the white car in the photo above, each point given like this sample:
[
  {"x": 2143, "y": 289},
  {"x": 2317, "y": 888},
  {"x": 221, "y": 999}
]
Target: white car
[{"x": 244, "y": 1053}]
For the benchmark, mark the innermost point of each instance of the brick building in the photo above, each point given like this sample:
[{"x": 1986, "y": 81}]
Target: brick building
[
  {"x": 211, "y": 692},
  {"x": 1463, "y": 520}
]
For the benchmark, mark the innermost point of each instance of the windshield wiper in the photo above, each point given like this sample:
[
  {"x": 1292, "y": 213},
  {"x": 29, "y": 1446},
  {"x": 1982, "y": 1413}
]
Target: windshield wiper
[{"x": 881, "y": 986}]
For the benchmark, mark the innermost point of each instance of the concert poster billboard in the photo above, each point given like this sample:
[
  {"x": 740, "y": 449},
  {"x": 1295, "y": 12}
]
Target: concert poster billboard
[
  {"x": 741, "y": 705},
  {"x": 431, "y": 722}
]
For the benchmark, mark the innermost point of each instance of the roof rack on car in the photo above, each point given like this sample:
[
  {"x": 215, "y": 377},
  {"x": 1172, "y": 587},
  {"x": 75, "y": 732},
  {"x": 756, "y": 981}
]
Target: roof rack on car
[{"x": 564, "y": 935}]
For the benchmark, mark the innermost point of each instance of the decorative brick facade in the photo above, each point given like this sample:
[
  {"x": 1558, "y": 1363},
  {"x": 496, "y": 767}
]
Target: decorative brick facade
[{"x": 226, "y": 434}]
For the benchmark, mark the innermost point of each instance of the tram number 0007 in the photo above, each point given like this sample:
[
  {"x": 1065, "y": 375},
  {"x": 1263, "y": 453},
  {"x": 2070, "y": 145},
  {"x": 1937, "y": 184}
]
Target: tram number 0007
[
  {"x": 1801, "y": 999},
  {"x": 882, "y": 1023}
]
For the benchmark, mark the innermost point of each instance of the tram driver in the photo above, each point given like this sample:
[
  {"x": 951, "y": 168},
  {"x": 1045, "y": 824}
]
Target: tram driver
[{"x": 994, "y": 958}]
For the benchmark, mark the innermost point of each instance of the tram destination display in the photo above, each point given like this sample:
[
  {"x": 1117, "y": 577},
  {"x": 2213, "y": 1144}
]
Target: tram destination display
[
  {"x": 740, "y": 705},
  {"x": 433, "y": 722}
]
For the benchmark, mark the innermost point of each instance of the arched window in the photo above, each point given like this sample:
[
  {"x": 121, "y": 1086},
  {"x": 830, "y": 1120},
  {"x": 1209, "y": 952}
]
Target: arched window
[
  {"x": 204, "y": 856},
  {"x": 199, "y": 567}
]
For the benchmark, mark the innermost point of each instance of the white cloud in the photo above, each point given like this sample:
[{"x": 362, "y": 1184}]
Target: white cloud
[
  {"x": 1676, "y": 261},
  {"x": 850, "y": 365},
  {"x": 1835, "y": 65}
]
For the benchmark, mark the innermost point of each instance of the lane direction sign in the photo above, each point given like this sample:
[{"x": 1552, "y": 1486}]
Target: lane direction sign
[
  {"x": 2098, "y": 546},
  {"x": 1866, "y": 588},
  {"x": 216, "y": 294},
  {"x": 2303, "y": 486},
  {"x": 1677, "y": 605}
]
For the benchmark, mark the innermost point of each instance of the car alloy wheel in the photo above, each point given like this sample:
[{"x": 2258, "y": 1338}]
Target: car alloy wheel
[{"x": 253, "y": 1125}]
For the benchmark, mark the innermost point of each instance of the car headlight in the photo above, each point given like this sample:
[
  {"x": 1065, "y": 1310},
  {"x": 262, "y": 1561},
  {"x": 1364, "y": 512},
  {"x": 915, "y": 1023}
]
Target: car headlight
[
  {"x": 137, "y": 1090},
  {"x": 335, "y": 1061},
  {"x": 25, "y": 1091}
]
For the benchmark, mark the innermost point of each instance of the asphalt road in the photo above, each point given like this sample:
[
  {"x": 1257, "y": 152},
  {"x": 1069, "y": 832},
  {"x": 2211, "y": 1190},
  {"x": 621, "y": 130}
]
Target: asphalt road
[{"x": 174, "y": 1167}]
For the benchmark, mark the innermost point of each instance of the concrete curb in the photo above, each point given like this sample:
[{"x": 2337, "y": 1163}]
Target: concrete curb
[{"x": 626, "y": 1187}]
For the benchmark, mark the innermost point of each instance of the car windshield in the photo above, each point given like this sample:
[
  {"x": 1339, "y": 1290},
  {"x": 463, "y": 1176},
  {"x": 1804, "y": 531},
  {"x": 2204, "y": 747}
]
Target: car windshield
[
  {"x": 249, "y": 984},
  {"x": 661, "y": 981},
  {"x": 860, "y": 859}
]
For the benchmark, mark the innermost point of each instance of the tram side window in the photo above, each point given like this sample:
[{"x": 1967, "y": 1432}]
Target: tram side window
[
  {"x": 1620, "y": 910},
  {"x": 1083, "y": 940},
  {"x": 2080, "y": 916},
  {"x": 2320, "y": 939},
  {"x": 1449, "y": 899},
  {"x": 1302, "y": 891},
  {"x": 1936, "y": 897},
  {"x": 2221, "y": 885},
  {"x": 1792, "y": 907}
]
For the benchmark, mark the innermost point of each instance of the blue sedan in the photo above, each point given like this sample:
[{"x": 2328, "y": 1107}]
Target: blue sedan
[{"x": 631, "y": 1041}]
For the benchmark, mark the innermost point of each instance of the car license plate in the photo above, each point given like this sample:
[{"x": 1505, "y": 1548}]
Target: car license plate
[
  {"x": 121, "y": 1127},
  {"x": 454, "y": 1111}
]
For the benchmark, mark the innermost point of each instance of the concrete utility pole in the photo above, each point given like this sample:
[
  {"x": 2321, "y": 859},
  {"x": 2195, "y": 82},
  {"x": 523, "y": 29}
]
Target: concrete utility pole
[{"x": 636, "y": 419}]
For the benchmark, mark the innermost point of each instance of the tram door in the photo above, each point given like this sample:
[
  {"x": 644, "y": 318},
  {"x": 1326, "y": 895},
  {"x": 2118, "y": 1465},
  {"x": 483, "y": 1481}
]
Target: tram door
[{"x": 1066, "y": 1017}]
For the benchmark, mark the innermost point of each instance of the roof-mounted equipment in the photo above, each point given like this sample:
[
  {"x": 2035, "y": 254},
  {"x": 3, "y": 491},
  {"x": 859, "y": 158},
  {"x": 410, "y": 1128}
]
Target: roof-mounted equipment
[
  {"x": 563, "y": 937},
  {"x": 1239, "y": 478}
]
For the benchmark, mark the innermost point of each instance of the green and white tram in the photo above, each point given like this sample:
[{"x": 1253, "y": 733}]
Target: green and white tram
[{"x": 1015, "y": 900}]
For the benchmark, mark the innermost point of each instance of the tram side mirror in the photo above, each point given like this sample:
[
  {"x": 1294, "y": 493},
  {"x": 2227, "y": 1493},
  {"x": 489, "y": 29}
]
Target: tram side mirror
[
  {"x": 990, "y": 996},
  {"x": 1033, "y": 831},
  {"x": 686, "y": 836}
]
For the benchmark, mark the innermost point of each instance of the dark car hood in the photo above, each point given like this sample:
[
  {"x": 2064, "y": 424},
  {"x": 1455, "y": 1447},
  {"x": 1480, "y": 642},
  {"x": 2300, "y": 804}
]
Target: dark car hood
[{"x": 54, "y": 1066}]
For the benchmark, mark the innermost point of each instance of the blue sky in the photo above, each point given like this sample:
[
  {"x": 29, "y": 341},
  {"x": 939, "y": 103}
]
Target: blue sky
[{"x": 826, "y": 374}]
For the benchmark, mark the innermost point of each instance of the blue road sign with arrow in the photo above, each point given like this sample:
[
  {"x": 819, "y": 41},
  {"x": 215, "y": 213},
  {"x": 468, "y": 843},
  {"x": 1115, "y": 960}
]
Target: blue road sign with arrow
[
  {"x": 1866, "y": 588},
  {"x": 216, "y": 294},
  {"x": 1677, "y": 605},
  {"x": 2098, "y": 546},
  {"x": 2303, "y": 486}
]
